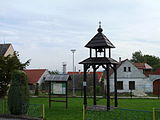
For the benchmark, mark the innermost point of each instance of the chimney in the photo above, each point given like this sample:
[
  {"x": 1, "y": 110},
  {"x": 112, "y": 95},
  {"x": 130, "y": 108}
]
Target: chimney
[
  {"x": 119, "y": 59},
  {"x": 64, "y": 67}
]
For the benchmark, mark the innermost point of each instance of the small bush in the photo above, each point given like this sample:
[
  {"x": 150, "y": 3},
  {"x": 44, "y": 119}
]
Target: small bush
[{"x": 18, "y": 95}]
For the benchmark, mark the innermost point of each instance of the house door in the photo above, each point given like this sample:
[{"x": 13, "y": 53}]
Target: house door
[{"x": 156, "y": 87}]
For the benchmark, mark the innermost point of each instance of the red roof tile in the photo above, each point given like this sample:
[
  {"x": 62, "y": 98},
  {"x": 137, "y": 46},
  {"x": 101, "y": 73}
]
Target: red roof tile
[
  {"x": 142, "y": 65},
  {"x": 157, "y": 72},
  {"x": 34, "y": 75}
]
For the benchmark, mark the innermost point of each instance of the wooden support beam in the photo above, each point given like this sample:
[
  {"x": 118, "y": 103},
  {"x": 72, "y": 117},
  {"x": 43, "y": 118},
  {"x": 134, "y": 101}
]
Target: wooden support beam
[
  {"x": 96, "y": 52},
  {"x": 85, "y": 85},
  {"x": 90, "y": 52},
  {"x": 108, "y": 87},
  {"x": 109, "y": 52},
  {"x": 115, "y": 86},
  {"x": 49, "y": 95},
  {"x": 94, "y": 85},
  {"x": 66, "y": 95}
]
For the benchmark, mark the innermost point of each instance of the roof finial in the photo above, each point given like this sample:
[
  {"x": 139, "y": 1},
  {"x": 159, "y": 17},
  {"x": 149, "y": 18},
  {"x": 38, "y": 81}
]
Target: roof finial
[
  {"x": 100, "y": 29},
  {"x": 99, "y": 24}
]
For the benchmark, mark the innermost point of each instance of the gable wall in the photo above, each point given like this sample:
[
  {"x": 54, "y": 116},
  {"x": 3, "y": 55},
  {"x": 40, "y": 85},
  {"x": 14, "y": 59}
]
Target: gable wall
[
  {"x": 135, "y": 72},
  {"x": 41, "y": 80},
  {"x": 142, "y": 82},
  {"x": 10, "y": 51}
]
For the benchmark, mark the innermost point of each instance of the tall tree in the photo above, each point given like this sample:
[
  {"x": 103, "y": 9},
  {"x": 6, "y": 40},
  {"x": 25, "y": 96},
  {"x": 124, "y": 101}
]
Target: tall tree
[
  {"x": 149, "y": 59},
  {"x": 7, "y": 65},
  {"x": 137, "y": 57}
]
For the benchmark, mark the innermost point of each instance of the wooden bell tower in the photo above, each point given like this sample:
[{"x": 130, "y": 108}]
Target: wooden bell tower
[{"x": 100, "y": 55}]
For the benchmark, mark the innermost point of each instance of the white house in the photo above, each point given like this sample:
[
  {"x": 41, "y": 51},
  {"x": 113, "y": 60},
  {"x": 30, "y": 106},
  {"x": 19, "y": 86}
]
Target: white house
[{"x": 132, "y": 76}]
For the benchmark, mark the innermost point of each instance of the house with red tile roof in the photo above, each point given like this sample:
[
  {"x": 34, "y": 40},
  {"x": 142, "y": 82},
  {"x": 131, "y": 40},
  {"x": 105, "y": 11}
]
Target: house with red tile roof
[
  {"x": 36, "y": 76},
  {"x": 144, "y": 67},
  {"x": 132, "y": 76},
  {"x": 136, "y": 77}
]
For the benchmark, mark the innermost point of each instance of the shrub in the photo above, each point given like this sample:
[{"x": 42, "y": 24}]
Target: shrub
[
  {"x": 36, "y": 90},
  {"x": 18, "y": 95}
]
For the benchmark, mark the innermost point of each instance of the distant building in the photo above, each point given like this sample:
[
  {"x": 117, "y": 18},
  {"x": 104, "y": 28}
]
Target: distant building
[
  {"x": 155, "y": 79},
  {"x": 136, "y": 77},
  {"x": 98, "y": 74},
  {"x": 36, "y": 76},
  {"x": 6, "y": 49},
  {"x": 132, "y": 76}
]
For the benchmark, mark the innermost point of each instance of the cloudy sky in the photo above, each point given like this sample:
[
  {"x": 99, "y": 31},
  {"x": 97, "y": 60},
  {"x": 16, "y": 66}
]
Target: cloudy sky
[{"x": 46, "y": 30}]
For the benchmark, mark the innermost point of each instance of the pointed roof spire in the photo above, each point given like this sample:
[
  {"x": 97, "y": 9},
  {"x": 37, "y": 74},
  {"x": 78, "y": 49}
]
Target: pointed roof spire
[
  {"x": 100, "y": 29},
  {"x": 99, "y": 40}
]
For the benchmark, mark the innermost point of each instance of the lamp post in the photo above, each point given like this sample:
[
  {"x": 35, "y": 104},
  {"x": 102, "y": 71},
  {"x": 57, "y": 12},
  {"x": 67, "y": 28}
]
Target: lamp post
[{"x": 73, "y": 51}]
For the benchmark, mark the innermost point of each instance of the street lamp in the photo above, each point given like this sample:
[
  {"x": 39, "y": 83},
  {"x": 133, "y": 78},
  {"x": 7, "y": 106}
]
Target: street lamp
[{"x": 73, "y": 51}]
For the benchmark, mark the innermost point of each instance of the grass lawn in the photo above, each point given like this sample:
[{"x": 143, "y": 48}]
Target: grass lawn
[{"x": 74, "y": 111}]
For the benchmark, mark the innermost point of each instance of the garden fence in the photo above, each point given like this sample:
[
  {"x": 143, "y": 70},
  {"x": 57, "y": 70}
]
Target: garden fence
[
  {"x": 122, "y": 114},
  {"x": 35, "y": 110},
  {"x": 157, "y": 113}
]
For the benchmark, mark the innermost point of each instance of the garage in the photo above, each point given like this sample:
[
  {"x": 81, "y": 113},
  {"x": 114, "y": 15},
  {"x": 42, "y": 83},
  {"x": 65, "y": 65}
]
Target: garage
[{"x": 156, "y": 87}]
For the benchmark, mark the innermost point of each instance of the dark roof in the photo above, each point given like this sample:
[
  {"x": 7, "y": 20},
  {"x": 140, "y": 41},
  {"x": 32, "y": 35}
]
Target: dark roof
[
  {"x": 101, "y": 60},
  {"x": 99, "y": 41},
  {"x": 3, "y": 48},
  {"x": 58, "y": 78}
]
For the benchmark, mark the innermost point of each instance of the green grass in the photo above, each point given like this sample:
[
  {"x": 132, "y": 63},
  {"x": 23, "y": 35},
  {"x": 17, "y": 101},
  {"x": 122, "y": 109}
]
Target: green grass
[
  {"x": 74, "y": 111},
  {"x": 75, "y": 106},
  {"x": 58, "y": 110}
]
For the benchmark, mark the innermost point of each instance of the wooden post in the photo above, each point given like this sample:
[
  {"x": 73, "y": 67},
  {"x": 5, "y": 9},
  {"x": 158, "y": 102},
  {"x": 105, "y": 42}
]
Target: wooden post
[
  {"x": 96, "y": 52},
  {"x": 50, "y": 94},
  {"x": 90, "y": 52},
  {"x": 94, "y": 85},
  {"x": 109, "y": 52},
  {"x": 108, "y": 88},
  {"x": 115, "y": 86},
  {"x": 43, "y": 111},
  {"x": 154, "y": 115},
  {"x": 85, "y": 85},
  {"x": 66, "y": 94},
  {"x": 84, "y": 113}
]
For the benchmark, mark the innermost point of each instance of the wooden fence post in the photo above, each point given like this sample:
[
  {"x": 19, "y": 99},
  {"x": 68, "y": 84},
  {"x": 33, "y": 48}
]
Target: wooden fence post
[
  {"x": 43, "y": 111},
  {"x": 84, "y": 112},
  {"x": 154, "y": 115}
]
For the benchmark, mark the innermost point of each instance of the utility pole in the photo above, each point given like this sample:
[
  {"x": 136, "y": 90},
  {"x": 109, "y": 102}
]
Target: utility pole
[{"x": 73, "y": 51}]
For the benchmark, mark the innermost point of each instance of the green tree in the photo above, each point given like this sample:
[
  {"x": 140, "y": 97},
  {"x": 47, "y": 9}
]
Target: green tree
[
  {"x": 7, "y": 65},
  {"x": 137, "y": 57},
  {"x": 149, "y": 59}
]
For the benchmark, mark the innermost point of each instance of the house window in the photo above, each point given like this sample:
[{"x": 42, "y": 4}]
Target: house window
[
  {"x": 119, "y": 85},
  {"x": 129, "y": 69},
  {"x": 124, "y": 69},
  {"x": 132, "y": 85},
  {"x": 31, "y": 87}
]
